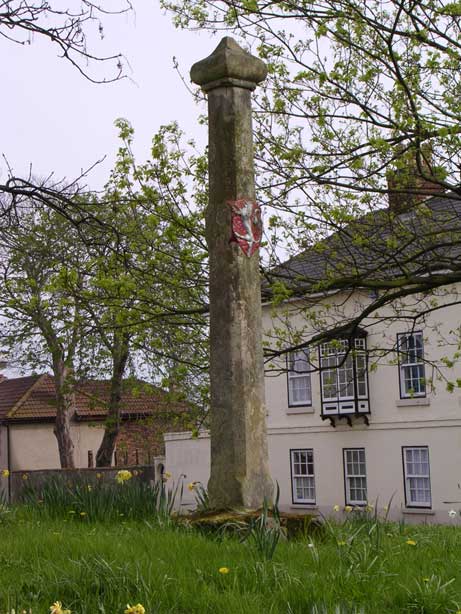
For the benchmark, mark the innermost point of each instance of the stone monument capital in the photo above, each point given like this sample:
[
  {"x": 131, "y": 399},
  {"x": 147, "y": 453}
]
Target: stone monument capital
[{"x": 228, "y": 65}]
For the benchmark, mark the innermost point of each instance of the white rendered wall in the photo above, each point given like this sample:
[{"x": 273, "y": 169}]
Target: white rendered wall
[
  {"x": 3, "y": 460},
  {"x": 433, "y": 421},
  {"x": 188, "y": 459},
  {"x": 34, "y": 446}
]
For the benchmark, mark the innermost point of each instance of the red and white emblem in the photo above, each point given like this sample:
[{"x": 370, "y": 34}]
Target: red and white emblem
[{"x": 247, "y": 226}]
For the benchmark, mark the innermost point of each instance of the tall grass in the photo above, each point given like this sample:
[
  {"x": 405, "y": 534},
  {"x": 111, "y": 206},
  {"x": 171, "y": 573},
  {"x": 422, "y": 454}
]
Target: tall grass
[
  {"x": 94, "y": 567},
  {"x": 132, "y": 499},
  {"x": 261, "y": 533},
  {"x": 362, "y": 566}
]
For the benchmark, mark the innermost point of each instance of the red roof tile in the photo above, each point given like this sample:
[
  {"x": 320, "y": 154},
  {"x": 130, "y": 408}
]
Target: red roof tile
[
  {"x": 33, "y": 397},
  {"x": 137, "y": 398},
  {"x": 13, "y": 390}
]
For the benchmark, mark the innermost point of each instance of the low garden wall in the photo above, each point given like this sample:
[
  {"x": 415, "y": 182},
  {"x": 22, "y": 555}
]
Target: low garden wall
[{"x": 35, "y": 479}]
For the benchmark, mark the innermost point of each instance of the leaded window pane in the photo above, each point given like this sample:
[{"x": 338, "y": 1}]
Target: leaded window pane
[
  {"x": 304, "y": 488},
  {"x": 299, "y": 378},
  {"x": 361, "y": 375},
  {"x": 299, "y": 361},
  {"x": 417, "y": 476},
  {"x": 412, "y": 368},
  {"x": 302, "y": 467},
  {"x": 338, "y": 367},
  {"x": 360, "y": 343},
  {"x": 356, "y": 477},
  {"x": 345, "y": 376},
  {"x": 330, "y": 389}
]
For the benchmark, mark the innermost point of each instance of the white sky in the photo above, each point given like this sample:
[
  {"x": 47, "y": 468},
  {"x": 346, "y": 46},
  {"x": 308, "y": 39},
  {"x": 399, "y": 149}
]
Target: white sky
[{"x": 59, "y": 122}]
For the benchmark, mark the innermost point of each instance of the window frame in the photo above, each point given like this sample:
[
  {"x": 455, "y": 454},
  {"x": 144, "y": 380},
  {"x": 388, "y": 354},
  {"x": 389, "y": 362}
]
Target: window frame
[
  {"x": 347, "y": 498},
  {"x": 407, "y": 490},
  {"x": 360, "y": 402},
  {"x": 402, "y": 366},
  {"x": 294, "y": 499},
  {"x": 293, "y": 375}
]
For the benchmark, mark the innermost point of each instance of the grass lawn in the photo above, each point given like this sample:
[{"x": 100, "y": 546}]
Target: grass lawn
[{"x": 94, "y": 567}]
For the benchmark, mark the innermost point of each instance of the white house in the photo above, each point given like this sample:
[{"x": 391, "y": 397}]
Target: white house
[{"x": 371, "y": 416}]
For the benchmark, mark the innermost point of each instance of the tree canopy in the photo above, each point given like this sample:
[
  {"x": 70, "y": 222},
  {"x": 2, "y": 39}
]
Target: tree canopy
[
  {"x": 357, "y": 127},
  {"x": 133, "y": 300}
]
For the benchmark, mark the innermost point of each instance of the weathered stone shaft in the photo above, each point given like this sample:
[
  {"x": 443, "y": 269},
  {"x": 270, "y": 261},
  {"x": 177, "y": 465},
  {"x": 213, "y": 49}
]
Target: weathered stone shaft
[{"x": 239, "y": 457}]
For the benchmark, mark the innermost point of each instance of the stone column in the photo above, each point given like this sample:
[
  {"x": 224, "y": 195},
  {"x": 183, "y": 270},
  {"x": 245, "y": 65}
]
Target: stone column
[{"x": 239, "y": 458}]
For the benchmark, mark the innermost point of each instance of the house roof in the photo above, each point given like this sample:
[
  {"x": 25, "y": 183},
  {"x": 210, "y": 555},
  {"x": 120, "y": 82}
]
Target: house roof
[
  {"x": 137, "y": 398},
  {"x": 33, "y": 398},
  {"x": 13, "y": 391},
  {"x": 424, "y": 239}
]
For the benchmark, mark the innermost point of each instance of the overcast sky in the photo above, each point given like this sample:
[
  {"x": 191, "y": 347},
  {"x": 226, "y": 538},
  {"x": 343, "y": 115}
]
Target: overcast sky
[
  {"x": 60, "y": 123},
  {"x": 57, "y": 121}
]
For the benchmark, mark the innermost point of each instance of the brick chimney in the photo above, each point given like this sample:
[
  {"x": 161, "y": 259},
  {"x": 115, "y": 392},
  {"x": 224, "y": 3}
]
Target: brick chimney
[{"x": 407, "y": 186}]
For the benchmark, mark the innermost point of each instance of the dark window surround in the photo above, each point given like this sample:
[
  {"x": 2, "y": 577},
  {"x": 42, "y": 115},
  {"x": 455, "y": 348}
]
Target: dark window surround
[
  {"x": 307, "y": 404},
  {"x": 412, "y": 505},
  {"x": 356, "y": 400},
  {"x": 291, "y": 477},
  {"x": 345, "y": 477},
  {"x": 414, "y": 396}
]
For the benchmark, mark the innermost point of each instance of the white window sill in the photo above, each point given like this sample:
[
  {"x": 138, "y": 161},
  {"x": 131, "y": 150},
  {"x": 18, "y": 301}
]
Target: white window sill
[
  {"x": 300, "y": 410},
  {"x": 413, "y": 402},
  {"x": 419, "y": 511},
  {"x": 304, "y": 506}
]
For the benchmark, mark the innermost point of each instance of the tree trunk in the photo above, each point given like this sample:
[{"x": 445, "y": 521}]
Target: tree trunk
[
  {"x": 120, "y": 355},
  {"x": 64, "y": 387}
]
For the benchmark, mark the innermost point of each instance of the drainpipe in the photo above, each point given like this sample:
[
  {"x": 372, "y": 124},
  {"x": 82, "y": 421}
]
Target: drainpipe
[{"x": 8, "y": 460}]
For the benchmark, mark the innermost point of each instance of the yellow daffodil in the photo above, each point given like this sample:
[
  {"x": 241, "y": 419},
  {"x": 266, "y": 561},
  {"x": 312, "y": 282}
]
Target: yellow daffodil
[
  {"x": 341, "y": 543},
  {"x": 25, "y": 476},
  {"x": 348, "y": 508},
  {"x": 82, "y": 513},
  {"x": 5, "y": 473},
  {"x": 99, "y": 476},
  {"x": 135, "y": 609},
  {"x": 426, "y": 579},
  {"x": 90, "y": 488},
  {"x": 191, "y": 486},
  {"x": 368, "y": 507},
  {"x": 411, "y": 542},
  {"x": 166, "y": 475},
  {"x": 56, "y": 608},
  {"x": 385, "y": 508},
  {"x": 336, "y": 508},
  {"x": 224, "y": 570},
  {"x": 123, "y": 476}
]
